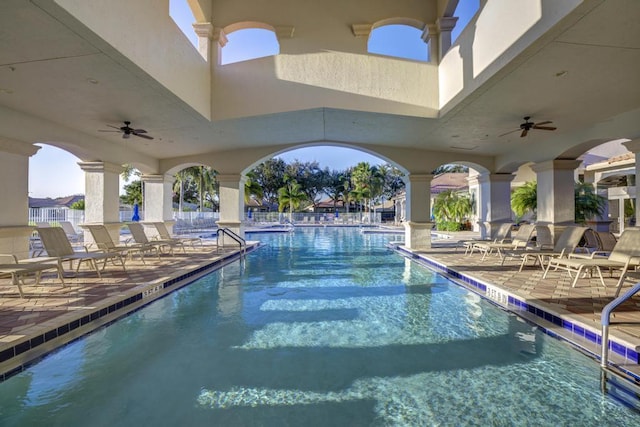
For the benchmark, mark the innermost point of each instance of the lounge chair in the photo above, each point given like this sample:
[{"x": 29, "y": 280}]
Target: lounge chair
[
  {"x": 625, "y": 255},
  {"x": 11, "y": 266},
  {"x": 103, "y": 241},
  {"x": 164, "y": 234},
  {"x": 140, "y": 237},
  {"x": 521, "y": 240},
  {"x": 498, "y": 235},
  {"x": 57, "y": 245},
  {"x": 565, "y": 245},
  {"x": 72, "y": 234}
]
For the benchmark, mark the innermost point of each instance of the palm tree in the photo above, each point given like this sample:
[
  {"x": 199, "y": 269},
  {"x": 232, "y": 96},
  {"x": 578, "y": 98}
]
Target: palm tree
[
  {"x": 205, "y": 179},
  {"x": 290, "y": 196},
  {"x": 525, "y": 198},
  {"x": 450, "y": 208},
  {"x": 252, "y": 188},
  {"x": 587, "y": 202}
]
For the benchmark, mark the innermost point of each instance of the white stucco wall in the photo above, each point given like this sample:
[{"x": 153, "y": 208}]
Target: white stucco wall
[{"x": 143, "y": 31}]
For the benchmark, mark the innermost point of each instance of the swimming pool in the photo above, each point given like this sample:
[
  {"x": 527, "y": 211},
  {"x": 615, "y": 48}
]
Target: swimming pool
[{"x": 323, "y": 326}]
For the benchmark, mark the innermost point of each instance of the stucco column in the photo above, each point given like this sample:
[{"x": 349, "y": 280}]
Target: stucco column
[
  {"x": 418, "y": 223},
  {"x": 634, "y": 147},
  {"x": 556, "y": 186},
  {"x": 493, "y": 201},
  {"x": 430, "y": 36},
  {"x": 102, "y": 196},
  {"x": 231, "y": 202},
  {"x": 204, "y": 31},
  {"x": 158, "y": 199},
  {"x": 445, "y": 26},
  {"x": 14, "y": 193}
]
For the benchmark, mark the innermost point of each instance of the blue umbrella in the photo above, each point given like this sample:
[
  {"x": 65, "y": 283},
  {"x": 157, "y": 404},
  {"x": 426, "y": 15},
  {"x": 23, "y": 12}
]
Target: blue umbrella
[
  {"x": 136, "y": 213},
  {"x": 336, "y": 213},
  {"x": 249, "y": 213}
]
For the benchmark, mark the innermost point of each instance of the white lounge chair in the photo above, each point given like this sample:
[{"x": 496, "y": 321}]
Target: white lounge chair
[
  {"x": 624, "y": 256},
  {"x": 565, "y": 245},
  {"x": 103, "y": 241},
  {"x": 520, "y": 241},
  {"x": 498, "y": 235},
  {"x": 139, "y": 236},
  {"x": 57, "y": 245},
  {"x": 11, "y": 266},
  {"x": 164, "y": 234}
]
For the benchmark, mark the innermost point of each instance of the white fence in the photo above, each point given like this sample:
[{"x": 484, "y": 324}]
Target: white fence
[{"x": 189, "y": 221}]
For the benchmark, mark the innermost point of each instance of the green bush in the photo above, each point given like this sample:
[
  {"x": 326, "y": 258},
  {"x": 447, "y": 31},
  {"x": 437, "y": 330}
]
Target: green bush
[{"x": 449, "y": 226}]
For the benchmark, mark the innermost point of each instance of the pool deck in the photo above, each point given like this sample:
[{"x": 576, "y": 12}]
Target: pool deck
[{"x": 51, "y": 315}]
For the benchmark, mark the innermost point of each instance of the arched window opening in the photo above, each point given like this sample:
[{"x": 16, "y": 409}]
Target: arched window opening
[
  {"x": 465, "y": 10},
  {"x": 182, "y": 15},
  {"x": 250, "y": 43},
  {"x": 400, "y": 41}
]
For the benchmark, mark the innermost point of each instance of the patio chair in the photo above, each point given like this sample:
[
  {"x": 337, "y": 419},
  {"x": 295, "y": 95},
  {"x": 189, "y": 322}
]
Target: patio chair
[
  {"x": 57, "y": 245},
  {"x": 521, "y": 240},
  {"x": 11, "y": 266},
  {"x": 164, "y": 234},
  {"x": 498, "y": 235},
  {"x": 624, "y": 256},
  {"x": 103, "y": 241},
  {"x": 565, "y": 245},
  {"x": 140, "y": 237},
  {"x": 72, "y": 234}
]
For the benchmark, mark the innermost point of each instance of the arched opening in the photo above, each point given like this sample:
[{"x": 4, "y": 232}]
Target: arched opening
[
  {"x": 249, "y": 43},
  {"x": 400, "y": 41},
  {"x": 323, "y": 184},
  {"x": 56, "y": 187},
  {"x": 465, "y": 11}
]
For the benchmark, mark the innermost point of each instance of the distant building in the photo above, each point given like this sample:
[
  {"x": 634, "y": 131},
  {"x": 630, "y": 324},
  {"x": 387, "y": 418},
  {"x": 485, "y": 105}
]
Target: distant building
[{"x": 59, "y": 202}]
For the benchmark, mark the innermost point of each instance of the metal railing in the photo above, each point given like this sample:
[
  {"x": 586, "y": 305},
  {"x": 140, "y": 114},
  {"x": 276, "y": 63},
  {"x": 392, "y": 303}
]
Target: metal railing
[
  {"x": 226, "y": 232},
  {"x": 606, "y": 320}
]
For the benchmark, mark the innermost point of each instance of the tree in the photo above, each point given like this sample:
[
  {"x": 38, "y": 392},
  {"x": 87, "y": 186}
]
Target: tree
[
  {"x": 311, "y": 178},
  {"x": 78, "y": 205},
  {"x": 334, "y": 186},
  {"x": 270, "y": 176},
  {"x": 205, "y": 180},
  {"x": 587, "y": 202},
  {"x": 251, "y": 188},
  {"x": 132, "y": 193},
  {"x": 450, "y": 209},
  {"x": 524, "y": 199},
  {"x": 290, "y": 196}
]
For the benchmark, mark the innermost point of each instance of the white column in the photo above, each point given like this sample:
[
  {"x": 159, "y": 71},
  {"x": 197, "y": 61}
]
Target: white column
[
  {"x": 231, "y": 202},
  {"x": 14, "y": 193},
  {"x": 493, "y": 204},
  {"x": 430, "y": 36},
  {"x": 634, "y": 147},
  {"x": 418, "y": 223},
  {"x": 102, "y": 196},
  {"x": 158, "y": 198},
  {"x": 556, "y": 187},
  {"x": 204, "y": 31},
  {"x": 445, "y": 26}
]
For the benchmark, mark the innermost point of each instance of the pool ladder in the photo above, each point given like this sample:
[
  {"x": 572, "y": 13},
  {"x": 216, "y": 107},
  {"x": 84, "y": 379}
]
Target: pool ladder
[
  {"x": 615, "y": 384},
  {"x": 227, "y": 232}
]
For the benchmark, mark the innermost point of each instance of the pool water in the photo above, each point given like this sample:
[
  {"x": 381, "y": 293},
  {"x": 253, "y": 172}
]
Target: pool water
[{"x": 320, "y": 327}]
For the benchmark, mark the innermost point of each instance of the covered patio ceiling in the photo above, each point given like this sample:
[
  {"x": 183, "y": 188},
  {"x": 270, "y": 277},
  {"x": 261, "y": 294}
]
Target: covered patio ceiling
[{"x": 60, "y": 85}]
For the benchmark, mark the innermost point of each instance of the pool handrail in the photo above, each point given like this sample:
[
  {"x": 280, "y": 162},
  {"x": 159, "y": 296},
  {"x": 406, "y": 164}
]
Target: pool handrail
[
  {"x": 225, "y": 231},
  {"x": 605, "y": 320}
]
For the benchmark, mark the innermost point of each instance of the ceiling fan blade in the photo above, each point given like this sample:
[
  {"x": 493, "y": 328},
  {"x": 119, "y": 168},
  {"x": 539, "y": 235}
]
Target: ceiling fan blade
[
  {"x": 107, "y": 130},
  {"x": 142, "y": 135},
  {"x": 115, "y": 127},
  {"x": 545, "y": 127},
  {"x": 524, "y": 133},
  {"x": 138, "y": 131},
  {"x": 512, "y": 131},
  {"x": 543, "y": 123}
]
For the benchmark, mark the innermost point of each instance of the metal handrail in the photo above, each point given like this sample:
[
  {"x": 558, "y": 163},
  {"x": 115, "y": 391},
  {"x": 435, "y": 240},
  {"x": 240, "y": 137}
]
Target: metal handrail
[
  {"x": 225, "y": 231},
  {"x": 606, "y": 320}
]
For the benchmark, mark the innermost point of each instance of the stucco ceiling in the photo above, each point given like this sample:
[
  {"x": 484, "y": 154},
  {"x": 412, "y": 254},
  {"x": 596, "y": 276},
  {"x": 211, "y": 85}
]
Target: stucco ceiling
[{"x": 46, "y": 96}]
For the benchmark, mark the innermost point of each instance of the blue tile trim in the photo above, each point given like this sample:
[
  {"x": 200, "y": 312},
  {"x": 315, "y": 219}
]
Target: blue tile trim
[
  {"x": 629, "y": 353},
  {"x": 68, "y": 327}
]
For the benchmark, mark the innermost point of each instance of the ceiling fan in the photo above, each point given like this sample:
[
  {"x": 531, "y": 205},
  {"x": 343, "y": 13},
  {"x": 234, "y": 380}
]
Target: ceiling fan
[
  {"x": 527, "y": 126},
  {"x": 127, "y": 131}
]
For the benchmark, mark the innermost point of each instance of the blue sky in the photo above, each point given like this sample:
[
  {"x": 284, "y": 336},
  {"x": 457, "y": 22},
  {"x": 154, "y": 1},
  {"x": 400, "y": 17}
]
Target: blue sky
[{"x": 46, "y": 181}]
